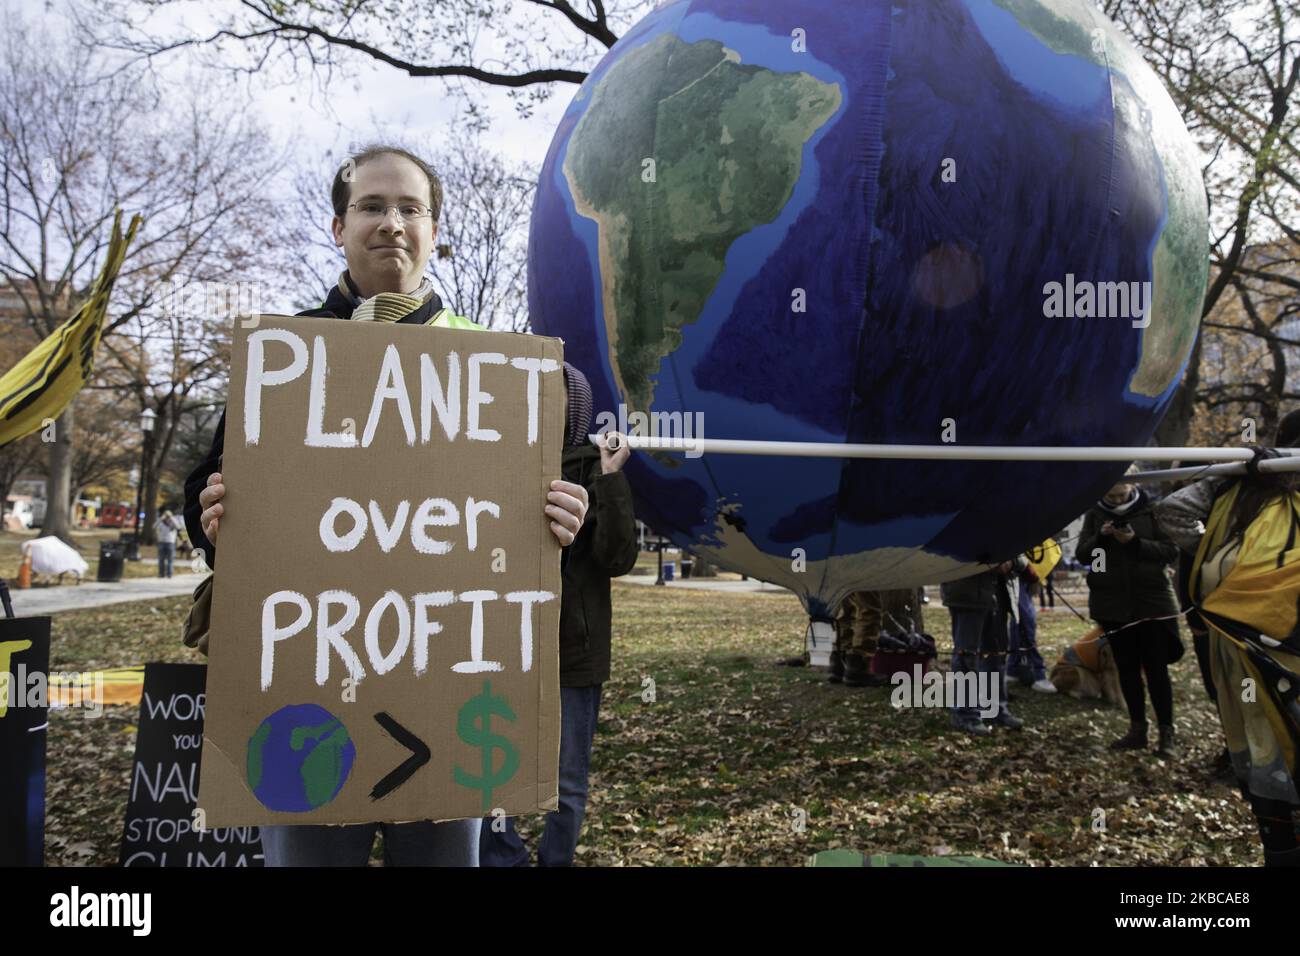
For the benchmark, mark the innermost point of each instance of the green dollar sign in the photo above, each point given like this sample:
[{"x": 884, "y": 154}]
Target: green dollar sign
[{"x": 474, "y": 726}]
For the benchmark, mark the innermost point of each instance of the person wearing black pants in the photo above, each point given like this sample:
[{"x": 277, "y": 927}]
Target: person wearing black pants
[
  {"x": 1142, "y": 649},
  {"x": 1131, "y": 596}
]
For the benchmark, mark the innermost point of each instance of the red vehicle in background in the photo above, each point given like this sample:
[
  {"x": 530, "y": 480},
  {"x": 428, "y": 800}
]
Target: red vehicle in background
[{"x": 120, "y": 515}]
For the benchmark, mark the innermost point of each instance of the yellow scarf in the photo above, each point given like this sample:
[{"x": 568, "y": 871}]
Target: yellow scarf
[
  {"x": 394, "y": 306},
  {"x": 388, "y": 306}
]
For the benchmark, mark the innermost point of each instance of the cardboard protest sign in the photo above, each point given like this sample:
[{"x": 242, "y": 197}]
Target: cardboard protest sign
[
  {"x": 162, "y": 828},
  {"x": 384, "y": 641},
  {"x": 24, "y": 666}
]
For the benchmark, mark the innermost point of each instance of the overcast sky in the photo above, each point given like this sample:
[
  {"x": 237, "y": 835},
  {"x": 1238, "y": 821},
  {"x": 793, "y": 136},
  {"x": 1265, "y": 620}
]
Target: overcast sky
[
  {"x": 383, "y": 102},
  {"x": 374, "y": 102}
]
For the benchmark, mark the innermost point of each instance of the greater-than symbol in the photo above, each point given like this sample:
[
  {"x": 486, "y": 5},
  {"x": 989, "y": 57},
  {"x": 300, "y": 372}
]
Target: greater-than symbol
[{"x": 420, "y": 755}]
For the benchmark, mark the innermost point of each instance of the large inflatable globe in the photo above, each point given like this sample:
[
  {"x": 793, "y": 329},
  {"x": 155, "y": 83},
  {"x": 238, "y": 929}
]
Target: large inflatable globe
[{"x": 880, "y": 221}]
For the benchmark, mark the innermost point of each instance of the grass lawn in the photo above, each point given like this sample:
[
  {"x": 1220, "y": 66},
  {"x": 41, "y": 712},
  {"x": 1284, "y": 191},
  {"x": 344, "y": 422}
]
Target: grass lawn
[{"x": 734, "y": 751}]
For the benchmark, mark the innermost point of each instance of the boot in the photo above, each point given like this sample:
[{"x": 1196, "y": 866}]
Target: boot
[
  {"x": 855, "y": 669},
  {"x": 995, "y": 664},
  {"x": 1008, "y": 720},
  {"x": 1167, "y": 747},
  {"x": 1222, "y": 768},
  {"x": 1135, "y": 739},
  {"x": 970, "y": 724},
  {"x": 837, "y": 667},
  {"x": 966, "y": 717}
]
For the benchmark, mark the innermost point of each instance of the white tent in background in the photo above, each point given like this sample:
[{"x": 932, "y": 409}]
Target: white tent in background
[{"x": 51, "y": 556}]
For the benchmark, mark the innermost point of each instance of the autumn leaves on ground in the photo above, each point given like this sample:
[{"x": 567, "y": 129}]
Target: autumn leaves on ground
[{"x": 734, "y": 751}]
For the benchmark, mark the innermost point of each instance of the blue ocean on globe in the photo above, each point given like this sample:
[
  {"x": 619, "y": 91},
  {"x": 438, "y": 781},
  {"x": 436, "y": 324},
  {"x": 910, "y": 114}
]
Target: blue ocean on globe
[
  {"x": 299, "y": 758},
  {"x": 869, "y": 222}
]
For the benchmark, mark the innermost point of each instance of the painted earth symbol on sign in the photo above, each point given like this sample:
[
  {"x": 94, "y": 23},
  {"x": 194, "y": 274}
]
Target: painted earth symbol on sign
[{"x": 299, "y": 758}]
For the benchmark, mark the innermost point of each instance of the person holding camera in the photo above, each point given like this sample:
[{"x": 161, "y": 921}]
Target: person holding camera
[{"x": 1131, "y": 596}]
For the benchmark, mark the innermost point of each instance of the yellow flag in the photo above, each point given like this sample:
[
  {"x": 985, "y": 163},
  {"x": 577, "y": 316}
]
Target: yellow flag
[
  {"x": 42, "y": 384},
  {"x": 1044, "y": 558}
]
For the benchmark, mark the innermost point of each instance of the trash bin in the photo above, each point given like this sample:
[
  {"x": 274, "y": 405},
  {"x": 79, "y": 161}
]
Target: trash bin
[
  {"x": 669, "y": 568},
  {"x": 687, "y": 565},
  {"x": 112, "y": 556}
]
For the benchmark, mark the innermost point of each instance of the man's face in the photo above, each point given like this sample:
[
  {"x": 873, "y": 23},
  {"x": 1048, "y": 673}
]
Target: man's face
[{"x": 387, "y": 254}]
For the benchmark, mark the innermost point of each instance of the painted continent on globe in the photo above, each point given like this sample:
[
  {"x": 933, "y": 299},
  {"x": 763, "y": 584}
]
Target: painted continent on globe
[{"x": 717, "y": 116}]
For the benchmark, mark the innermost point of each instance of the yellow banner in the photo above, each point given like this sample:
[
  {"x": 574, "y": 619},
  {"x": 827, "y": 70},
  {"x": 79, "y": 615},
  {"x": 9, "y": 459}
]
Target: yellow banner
[
  {"x": 120, "y": 685},
  {"x": 1044, "y": 558},
  {"x": 42, "y": 384}
]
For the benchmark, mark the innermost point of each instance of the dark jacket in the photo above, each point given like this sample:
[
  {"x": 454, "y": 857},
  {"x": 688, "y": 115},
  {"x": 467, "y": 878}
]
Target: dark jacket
[
  {"x": 605, "y": 548},
  {"x": 1134, "y": 584},
  {"x": 979, "y": 592},
  {"x": 336, "y": 306}
]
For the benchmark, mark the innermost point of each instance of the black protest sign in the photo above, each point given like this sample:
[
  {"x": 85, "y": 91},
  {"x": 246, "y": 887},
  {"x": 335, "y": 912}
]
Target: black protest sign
[
  {"x": 24, "y": 663},
  {"x": 162, "y": 828}
]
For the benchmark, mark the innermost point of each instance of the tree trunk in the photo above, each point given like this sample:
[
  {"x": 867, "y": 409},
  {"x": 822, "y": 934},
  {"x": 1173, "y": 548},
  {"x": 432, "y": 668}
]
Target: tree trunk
[
  {"x": 58, "y": 486},
  {"x": 74, "y": 498},
  {"x": 158, "y": 444},
  {"x": 150, "y": 505}
]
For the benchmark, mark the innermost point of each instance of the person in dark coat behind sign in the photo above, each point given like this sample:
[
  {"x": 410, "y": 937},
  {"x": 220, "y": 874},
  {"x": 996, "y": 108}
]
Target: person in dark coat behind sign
[{"x": 605, "y": 548}]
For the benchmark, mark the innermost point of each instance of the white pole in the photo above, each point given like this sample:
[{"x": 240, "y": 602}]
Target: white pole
[
  {"x": 1267, "y": 466},
  {"x": 813, "y": 449}
]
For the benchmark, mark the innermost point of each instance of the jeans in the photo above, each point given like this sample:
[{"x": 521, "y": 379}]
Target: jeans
[
  {"x": 452, "y": 843},
  {"x": 1023, "y": 641},
  {"x": 579, "y": 707},
  {"x": 979, "y": 645},
  {"x": 166, "y": 555}
]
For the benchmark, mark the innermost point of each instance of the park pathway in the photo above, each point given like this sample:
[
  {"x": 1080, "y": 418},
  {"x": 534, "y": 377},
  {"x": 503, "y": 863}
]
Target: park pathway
[
  {"x": 91, "y": 594},
  {"x": 35, "y": 602},
  {"x": 704, "y": 584}
]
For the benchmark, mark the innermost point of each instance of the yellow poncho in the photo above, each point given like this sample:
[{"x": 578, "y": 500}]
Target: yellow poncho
[{"x": 1254, "y": 618}]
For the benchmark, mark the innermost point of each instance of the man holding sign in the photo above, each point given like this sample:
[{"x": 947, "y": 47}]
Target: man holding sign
[{"x": 386, "y": 204}]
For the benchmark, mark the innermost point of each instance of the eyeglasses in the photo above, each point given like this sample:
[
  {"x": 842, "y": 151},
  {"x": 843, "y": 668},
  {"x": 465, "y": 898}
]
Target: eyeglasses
[{"x": 406, "y": 211}]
